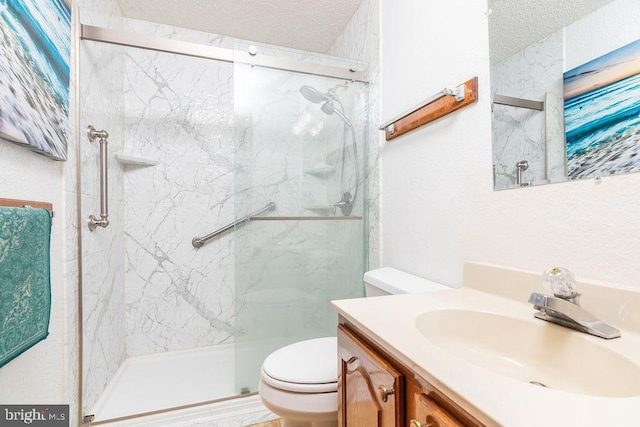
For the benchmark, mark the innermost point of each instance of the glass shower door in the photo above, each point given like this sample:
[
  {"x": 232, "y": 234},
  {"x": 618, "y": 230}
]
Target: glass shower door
[
  {"x": 157, "y": 311},
  {"x": 303, "y": 156}
]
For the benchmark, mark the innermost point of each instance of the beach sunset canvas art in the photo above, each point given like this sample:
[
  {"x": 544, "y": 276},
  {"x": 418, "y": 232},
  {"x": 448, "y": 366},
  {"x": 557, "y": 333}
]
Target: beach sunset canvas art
[
  {"x": 35, "y": 51},
  {"x": 602, "y": 114}
]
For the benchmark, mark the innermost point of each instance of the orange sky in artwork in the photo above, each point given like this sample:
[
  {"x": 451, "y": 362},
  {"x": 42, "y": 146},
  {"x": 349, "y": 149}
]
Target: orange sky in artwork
[
  {"x": 604, "y": 70},
  {"x": 603, "y": 77}
]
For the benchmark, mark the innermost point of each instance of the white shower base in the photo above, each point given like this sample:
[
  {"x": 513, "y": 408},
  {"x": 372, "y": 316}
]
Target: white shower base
[{"x": 156, "y": 382}]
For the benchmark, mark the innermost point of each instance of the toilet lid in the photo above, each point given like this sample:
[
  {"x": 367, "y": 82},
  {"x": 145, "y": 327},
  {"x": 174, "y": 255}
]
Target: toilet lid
[{"x": 309, "y": 366}]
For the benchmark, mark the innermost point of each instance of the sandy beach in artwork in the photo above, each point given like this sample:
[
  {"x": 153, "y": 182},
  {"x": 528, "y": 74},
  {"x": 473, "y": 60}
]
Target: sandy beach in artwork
[
  {"x": 602, "y": 115},
  {"x": 34, "y": 87},
  {"x": 29, "y": 112},
  {"x": 621, "y": 154}
]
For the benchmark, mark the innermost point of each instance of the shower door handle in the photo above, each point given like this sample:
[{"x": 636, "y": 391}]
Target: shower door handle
[{"x": 103, "y": 221}]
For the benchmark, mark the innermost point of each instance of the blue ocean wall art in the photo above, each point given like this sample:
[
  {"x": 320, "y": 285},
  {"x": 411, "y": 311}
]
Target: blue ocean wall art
[
  {"x": 602, "y": 114},
  {"x": 35, "y": 53}
]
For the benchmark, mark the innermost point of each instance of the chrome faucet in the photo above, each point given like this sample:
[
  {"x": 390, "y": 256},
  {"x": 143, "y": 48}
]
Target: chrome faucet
[
  {"x": 345, "y": 204},
  {"x": 521, "y": 166},
  {"x": 564, "y": 307}
]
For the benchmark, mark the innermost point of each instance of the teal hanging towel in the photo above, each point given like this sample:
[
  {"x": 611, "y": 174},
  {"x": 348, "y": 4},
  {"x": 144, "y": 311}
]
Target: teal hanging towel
[{"x": 25, "y": 286}]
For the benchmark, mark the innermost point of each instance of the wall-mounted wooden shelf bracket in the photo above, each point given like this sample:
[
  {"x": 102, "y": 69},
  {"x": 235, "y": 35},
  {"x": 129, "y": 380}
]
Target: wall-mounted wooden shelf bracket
[{"x": 440, "y": 104}]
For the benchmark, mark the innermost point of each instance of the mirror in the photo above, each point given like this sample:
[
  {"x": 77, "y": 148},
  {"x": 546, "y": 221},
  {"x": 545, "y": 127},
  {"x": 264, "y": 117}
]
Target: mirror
[{"x": 534, "y": 47}]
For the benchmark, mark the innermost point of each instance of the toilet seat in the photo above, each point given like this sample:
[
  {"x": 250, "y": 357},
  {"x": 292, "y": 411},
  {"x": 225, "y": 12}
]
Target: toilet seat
[{"x": 309, "y": 366}]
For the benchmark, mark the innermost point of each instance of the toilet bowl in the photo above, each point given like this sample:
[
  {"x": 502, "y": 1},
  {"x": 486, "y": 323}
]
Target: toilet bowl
[{"x": 299, "y": 382}]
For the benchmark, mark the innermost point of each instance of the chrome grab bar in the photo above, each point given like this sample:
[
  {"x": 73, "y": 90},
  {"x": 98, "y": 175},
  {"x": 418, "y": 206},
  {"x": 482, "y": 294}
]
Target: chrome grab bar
[
  {"x": 103, "y": 222},
  {"x": 197, "y": 242}
]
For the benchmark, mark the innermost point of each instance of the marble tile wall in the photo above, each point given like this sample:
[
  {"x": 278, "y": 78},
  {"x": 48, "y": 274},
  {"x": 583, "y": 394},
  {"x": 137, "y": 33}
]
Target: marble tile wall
[
  {"x": 178, "y": 112},
  {"x": 360, "y": 41},
  {"x": 534, "y": 73},
  {"x": 289, "y": 152},
  {"x": 100, "y": 104}
]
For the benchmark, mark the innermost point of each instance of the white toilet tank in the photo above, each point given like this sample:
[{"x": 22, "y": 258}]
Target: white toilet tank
[{"x": 389, "y": 281}]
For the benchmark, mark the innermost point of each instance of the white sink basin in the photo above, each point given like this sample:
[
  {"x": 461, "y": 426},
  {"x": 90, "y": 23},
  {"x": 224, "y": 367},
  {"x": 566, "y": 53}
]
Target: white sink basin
[{"x": 532, "y": 351}]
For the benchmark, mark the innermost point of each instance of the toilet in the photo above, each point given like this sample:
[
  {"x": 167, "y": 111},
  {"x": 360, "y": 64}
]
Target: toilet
[{"x": 299, "y": 382}]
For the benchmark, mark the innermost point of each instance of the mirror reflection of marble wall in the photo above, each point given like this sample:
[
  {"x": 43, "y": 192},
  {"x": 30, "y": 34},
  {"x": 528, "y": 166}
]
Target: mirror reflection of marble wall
[
  {"x": 535, "y": 73},
  {"x": 537, "y": 137}
]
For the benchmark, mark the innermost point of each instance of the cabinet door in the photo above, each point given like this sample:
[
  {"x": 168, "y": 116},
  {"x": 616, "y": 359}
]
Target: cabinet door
[
  {"x": 371, "y": 391},
  {"x": 423, "y": 411}
]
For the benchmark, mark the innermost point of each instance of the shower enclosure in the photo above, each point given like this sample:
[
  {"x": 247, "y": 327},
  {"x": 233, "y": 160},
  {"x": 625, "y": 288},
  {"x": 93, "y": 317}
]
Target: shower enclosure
[{"x": 195, "y": 144}]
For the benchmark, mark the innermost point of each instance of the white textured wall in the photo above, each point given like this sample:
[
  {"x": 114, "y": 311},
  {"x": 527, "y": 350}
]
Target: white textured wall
[
  {"x": 584, "y": 44},
  {"x": 27, "y": 175},
  {"x": 439, "y": 208},
  {"x": 47, "y": 372}
]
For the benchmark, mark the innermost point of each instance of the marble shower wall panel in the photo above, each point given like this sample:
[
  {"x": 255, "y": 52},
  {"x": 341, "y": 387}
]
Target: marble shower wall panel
[
  {"x": 360, "y": 41},
  {"x": 270, "y": 131},
  {"x": 290, "y": 271},
  {"x": 287, "y": 274},
  {"x": 100, "y": 103},
  {"x": 289, "y": 152},
  {"x": 556, "y": 152},
  {"x": 522, "y": 134},
  {"x": 179, "y": 112}
]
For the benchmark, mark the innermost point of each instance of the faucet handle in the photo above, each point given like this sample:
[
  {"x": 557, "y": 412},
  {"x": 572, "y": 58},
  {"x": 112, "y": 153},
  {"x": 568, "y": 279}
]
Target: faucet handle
[{"x": 561, "y": 282}]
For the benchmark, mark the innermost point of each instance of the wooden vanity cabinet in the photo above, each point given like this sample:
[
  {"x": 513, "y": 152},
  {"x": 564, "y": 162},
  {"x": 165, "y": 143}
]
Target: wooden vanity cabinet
[
  {"x": 374, "y": 389},
  {"x": 423, "y": 411},
  {"x": 370, "y": 389}
]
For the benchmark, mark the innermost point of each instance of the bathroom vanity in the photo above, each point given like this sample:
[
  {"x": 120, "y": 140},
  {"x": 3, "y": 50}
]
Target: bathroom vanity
[
  {"x": 477, "y": 356},
  {"x": 375, "y": 389}
]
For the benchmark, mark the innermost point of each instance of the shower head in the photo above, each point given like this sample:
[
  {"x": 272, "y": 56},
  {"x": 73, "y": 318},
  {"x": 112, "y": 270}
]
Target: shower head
[
  {"x": 328, "y": 107},
  {"x": 314, "y": 95},
  {"x": 331, "y": 105}
]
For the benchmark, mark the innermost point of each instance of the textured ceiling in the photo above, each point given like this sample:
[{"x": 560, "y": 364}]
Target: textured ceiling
[
  {"x": 516, "y": 24},
  {"x": 311, "y": 25}
]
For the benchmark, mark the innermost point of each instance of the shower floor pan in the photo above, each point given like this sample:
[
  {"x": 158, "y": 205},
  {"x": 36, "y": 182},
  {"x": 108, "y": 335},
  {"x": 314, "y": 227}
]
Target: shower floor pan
[{"x": 157, "y": 382}]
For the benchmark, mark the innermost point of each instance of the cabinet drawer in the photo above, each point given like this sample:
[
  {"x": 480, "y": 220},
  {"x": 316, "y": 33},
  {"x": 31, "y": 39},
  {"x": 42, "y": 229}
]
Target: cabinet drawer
[{"x": 423, "y": 411}]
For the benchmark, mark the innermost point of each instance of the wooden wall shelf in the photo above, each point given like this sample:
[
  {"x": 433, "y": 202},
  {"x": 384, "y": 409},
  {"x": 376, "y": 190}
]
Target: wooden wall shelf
[{"x": 439, "y": 105}]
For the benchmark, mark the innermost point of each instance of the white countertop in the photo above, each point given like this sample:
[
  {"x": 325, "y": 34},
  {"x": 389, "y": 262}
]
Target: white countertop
[{"x": 493, "y": 398}]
